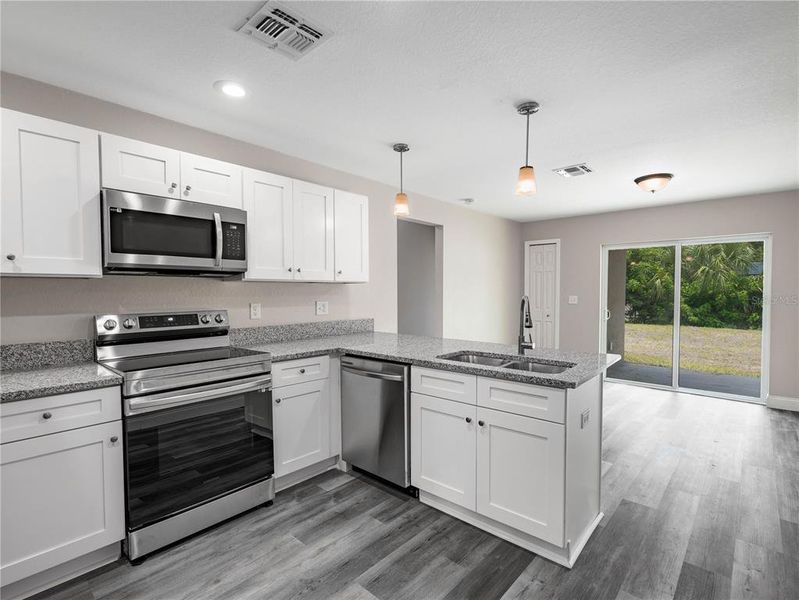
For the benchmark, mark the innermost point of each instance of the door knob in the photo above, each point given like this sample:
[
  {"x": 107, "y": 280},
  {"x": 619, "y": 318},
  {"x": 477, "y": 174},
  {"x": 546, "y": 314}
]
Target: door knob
[
  {"x": 277, "y": 400},
  {"x": 114, "y": 439}
]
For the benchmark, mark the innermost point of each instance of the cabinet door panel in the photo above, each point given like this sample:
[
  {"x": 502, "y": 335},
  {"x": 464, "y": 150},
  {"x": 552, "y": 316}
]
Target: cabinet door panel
[
  {"x": 443, "y": 448},
  {"x": 62, "y": 497},
  {"x": 351, "y": 225},
  {"x": 301, "y": 416},
  {"x": 50, "y": 197},
  {"x": 313, "y": 232},
  {"x": 268, "y": 202},
  {"x": 135, "y": 166},
  {"x": 210, "y": 181},
  {"x": 520, "y": 473}
]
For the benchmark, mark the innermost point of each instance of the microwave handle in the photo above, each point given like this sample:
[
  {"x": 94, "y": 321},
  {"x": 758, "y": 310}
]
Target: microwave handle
[{"x": 218, "y": 225}]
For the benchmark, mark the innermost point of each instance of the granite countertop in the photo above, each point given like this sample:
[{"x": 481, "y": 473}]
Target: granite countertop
[
  {"x": 24, "y": 384},
  {"x": 423, "y": 352}
]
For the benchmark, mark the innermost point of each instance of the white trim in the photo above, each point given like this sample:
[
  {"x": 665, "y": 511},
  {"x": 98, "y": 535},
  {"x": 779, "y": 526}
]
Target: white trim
[
  {"x": 765, "y": 350},
  {"x": 783, "y": 403},
  {"x": 527, "y": 246}
]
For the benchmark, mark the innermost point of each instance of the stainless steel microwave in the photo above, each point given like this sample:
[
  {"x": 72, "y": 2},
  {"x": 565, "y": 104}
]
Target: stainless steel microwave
[{"x": 163, "y": 236}]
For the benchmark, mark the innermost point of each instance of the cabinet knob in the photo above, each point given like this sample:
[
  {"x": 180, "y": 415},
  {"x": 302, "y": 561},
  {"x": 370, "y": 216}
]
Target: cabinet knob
[
  {"x": 47, "y": 415},
  {"x": 291, "y": 269},
  {"x": 277, "y": 400},
  {"x": 187, "y": 190},
  {"x": 174, "y": 185},
  {"x": 340, "y": 272},
  {"x": 481, "y": 423},
  {"x": 468, "y": 419},
  {"x": 299, "y": 270},
  {"x": 11, "y": 256},
  {"x": 114, "y": 439},
  {"x": 302, "y": 371}
]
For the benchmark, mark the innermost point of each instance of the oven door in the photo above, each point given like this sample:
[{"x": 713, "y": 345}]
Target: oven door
[
  {"x": 196, "y": 447},
  {"x": 153, "y": 234}
]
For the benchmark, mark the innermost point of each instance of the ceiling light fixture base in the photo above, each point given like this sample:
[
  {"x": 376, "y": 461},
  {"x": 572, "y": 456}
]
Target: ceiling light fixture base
[
  {"x": 401, "y": 147},
  {"x": 528, "y": 108}
]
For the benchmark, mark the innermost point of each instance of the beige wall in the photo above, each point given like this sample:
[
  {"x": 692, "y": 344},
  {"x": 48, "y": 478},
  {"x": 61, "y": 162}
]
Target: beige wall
[
  {"x": 420, "y": 307},
  {"x": 581, "y": 238},
  {"x": 482, "y": 256}
]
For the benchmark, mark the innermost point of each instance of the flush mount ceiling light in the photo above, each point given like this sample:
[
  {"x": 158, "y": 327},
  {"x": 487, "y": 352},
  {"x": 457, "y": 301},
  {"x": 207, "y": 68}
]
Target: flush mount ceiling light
[
  {"x": 525, "y": 186},
  {"x": 654, "y": 182},
  {"x": 401, "y": 208},
  {"x": 230, "y": 88}
]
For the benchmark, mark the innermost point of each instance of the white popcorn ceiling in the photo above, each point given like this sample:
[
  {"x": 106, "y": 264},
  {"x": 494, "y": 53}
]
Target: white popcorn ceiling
[{"x": 705, "y": 90}]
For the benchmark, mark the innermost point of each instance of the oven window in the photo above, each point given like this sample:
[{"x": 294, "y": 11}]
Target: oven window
[
  {"x": 180, "y": 457},
  {"x": 140, "y": 232}
]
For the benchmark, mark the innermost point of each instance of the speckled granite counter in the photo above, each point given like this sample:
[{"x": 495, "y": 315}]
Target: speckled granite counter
[
  {"x": 423, "y": 352},
  {"x": 48, "y": 381}
]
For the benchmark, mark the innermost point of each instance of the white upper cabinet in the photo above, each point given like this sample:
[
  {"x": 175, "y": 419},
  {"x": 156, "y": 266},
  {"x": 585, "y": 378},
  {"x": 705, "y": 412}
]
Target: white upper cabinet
[
  {"x": 313, "y": 232},
  {"x": 210, "y": 181},
  {"x": 351, "y": 225},
  {"x": 135, "y": 166},
  {"x": 270, "y": 234},
  {"x": 50, "y": 198}
]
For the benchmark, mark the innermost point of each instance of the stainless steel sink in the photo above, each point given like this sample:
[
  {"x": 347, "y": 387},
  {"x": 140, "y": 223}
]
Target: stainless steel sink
[
  {"x": 506, "y": 362},
  {"x": 535, "y": 367}
]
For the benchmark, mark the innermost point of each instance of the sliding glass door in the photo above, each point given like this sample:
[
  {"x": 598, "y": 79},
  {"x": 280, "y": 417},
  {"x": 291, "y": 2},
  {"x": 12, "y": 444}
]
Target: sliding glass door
[{"x": 713, "y": 290}]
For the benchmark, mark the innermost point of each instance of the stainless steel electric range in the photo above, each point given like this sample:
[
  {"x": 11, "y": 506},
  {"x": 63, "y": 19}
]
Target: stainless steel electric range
[{"x": 197, "y": 422}]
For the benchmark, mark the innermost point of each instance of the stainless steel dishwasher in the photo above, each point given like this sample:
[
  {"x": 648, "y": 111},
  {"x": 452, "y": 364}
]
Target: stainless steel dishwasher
[{"x": 375, "y": 418}]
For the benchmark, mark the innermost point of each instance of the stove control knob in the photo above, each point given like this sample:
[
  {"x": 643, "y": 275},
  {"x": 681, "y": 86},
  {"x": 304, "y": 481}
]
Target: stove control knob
[
  {"x": 110, "y": 324},
  {"x": 129, "y": 324},
  {"x": 219, "y": 318},
  {"x": 205, "y": 319}
]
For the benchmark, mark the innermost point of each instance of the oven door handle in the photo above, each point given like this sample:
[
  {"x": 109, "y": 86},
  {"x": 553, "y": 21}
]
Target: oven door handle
[
  {"x": 218, "y": 227},
  {"x": 135, "y": 406}
]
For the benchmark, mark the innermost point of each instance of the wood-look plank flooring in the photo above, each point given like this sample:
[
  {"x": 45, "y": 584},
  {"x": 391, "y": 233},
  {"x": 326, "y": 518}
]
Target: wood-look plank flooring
[{"x": 700, "y": 495}]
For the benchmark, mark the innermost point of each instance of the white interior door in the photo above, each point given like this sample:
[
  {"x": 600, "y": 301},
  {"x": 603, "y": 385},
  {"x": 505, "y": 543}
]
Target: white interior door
[
  {"x": 313, "y": 232},
  {"x": 268, "y": 202},
  {"x": 541, "y": 283}
]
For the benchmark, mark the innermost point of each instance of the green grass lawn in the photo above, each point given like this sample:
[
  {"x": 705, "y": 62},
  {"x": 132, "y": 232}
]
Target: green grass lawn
[{"x": 706, "y": 349}]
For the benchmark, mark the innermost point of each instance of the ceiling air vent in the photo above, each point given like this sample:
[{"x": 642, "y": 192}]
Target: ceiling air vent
[
  {"x": 574, "y": 170},
  {"x": 285, "y": 30}
]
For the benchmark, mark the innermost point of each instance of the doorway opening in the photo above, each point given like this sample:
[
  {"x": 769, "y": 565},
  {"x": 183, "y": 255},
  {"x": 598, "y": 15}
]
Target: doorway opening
[
  {"x": 689, "y": 315},
  {"x": 420, "y": 278}
]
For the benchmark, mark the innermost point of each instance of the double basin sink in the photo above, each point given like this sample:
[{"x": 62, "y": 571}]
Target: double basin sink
[{"x": 507, "y": 362}]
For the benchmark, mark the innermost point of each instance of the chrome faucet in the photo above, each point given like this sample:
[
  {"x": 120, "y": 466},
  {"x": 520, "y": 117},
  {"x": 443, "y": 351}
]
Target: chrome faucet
[{"x": 525, "y": 322}]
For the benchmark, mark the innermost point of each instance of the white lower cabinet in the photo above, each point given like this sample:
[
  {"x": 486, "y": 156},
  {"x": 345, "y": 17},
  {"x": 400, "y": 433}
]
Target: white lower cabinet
[
  {"x": 62, "y": 497},
  {"x": 443, "y": 448},
  {"x": 520, "y": 473},
  {"x": 301, "y": 418}
]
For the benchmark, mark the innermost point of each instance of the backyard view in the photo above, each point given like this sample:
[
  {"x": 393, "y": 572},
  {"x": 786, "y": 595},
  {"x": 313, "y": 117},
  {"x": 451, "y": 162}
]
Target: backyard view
[{"x": 720, "y": 296}]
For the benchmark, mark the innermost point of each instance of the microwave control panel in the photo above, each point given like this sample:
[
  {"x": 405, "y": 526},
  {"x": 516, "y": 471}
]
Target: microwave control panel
[{"x": 233, "y": 242}]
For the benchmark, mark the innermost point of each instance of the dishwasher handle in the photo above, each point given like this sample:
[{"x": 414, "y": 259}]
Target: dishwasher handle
[{"x": 372, "y": 374}]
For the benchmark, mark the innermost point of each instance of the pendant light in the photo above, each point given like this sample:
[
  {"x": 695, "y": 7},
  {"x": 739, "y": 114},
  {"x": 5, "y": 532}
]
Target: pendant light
[
  {"x": 401, "y": 208},
  {"x": 525, "y": 186},
  {"x": 654, "y": 182}
]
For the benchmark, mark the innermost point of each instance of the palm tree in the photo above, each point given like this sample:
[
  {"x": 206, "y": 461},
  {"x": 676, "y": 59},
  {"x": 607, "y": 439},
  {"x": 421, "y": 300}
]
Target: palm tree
[{"x": 715, "y": 266}]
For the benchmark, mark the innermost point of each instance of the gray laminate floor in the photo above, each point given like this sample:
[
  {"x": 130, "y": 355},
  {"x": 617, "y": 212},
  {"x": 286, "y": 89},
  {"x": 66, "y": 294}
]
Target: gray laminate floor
[{"x": 701, "y": 500}]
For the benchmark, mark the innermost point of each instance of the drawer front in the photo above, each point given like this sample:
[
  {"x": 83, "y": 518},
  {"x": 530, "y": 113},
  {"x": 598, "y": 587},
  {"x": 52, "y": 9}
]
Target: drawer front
[
  {"x": 51, "y": 414},
  {"x": 522, "y": 399},
  {"x": 444, "y": 384},
  {"x": 298, "y": 371}
]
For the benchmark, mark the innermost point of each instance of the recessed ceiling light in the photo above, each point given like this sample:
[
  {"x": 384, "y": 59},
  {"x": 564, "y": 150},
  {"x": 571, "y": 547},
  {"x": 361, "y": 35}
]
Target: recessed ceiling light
[{"x": 230, "y": 88}]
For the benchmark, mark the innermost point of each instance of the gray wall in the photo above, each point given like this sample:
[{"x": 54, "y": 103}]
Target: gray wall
[
  {"x": 419, "y": 304},
  {"x": 482, "y": 262},
  {"x": 617, "y": 296},
  {"x": 582, "y": 237}
]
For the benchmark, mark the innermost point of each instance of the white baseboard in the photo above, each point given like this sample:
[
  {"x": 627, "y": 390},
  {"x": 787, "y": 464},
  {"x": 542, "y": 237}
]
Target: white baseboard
[{"x": 783, "y": 403}]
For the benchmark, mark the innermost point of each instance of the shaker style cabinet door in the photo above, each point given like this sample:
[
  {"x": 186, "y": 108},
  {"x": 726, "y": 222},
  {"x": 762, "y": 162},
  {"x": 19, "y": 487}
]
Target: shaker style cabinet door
[
  {"x": 270, "y": 234},
  {"x": 351, "y": 224},
  {"x": 520, "y": 473},
  {"x": 50, "y": 198},
  {"x": 62, "y": 497},
  {"x": 210, "y": 181},
  {"x": 301, "y": 418},
  {"x": 134, "y": 166},
  {"x": 313, "y": 232},
  {"x": 443, "y": 448}
]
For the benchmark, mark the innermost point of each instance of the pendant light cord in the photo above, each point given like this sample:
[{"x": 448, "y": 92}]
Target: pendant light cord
[
  {"x": 526, "y": 144},
  {"x": 401, "y": 190}
]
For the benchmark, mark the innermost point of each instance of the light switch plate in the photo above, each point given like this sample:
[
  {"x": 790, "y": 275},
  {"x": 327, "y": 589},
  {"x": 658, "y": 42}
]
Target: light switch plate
[
  {"x": 321, "y": 307},
  {"x": 572, "y": 299},
  {"x": 255, "y": 310}
]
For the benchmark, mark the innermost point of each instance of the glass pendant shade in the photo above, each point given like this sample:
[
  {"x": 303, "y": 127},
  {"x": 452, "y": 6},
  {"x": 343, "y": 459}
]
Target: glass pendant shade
[
  {"x": 401, "y": 208},
  {"x": 525, "y": 186},
  {"x": 653, "y": 183}
]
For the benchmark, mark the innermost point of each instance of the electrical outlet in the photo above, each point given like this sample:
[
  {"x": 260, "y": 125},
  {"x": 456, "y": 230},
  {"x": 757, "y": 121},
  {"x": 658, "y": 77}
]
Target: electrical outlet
[
  {"x": 321, "y": 307},
  {"x": 572, "y": 299},
  {"x": 255, "y": 310},
  {"x": 584, "y": 416}
]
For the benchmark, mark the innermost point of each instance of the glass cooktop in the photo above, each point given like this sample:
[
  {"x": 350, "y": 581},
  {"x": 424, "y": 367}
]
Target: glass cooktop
[{"x": 171, "y": 359}]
